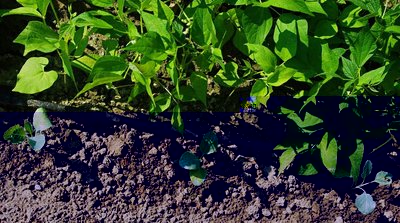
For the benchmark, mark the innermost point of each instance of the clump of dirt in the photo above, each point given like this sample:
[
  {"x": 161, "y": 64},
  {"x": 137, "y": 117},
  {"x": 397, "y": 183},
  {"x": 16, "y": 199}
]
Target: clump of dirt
[{"x": 99, "y": 169}]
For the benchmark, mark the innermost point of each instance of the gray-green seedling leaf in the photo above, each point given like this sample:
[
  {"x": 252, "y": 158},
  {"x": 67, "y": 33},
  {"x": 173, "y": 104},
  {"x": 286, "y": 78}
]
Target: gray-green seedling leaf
[
  {"x": 198, "y": 176},
  {"x": 40, "y": 120},
  {"x": 209, "y": 143},
  {"x": 32, "y": 78},
  {"x": 365, "y": 204},
  {"x": 366, "y": 170},
  {"x": 328, "y": 147},
  {"x": 15, "y": 134},
  {"x": 383, "y": 178},
  {"x": 189, "y": 161},
  {"x": 38, "y": 36},
  {"x": 285, "y": 36},
  {"x": 203, "y": 30},
  {"x": 37, "y": 142}
]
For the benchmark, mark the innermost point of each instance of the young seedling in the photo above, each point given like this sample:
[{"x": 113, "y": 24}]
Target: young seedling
[
  {"x": 364, "y": 202},
  {"x": 191, "y": 162},
  {"x": 33, "y": 133}
]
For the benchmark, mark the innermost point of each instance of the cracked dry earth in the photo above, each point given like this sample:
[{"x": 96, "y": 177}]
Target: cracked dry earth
[{"x": 93, "y": 169}]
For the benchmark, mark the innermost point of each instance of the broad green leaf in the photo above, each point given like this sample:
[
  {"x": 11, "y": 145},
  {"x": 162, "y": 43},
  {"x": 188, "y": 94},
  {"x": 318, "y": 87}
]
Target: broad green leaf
[
  {"x": 259, "y": 89},
  {"x": 374, "y": 77},
  {"x": 209, "y": 143},
  {"x": 28, "y": 11},
  {"x": 147, "y": 70},
  {"x": 28, "y": 127},
  {"x": 365, "y": 204},
  {"x": 176, "y": 119},
  {"x": 224, "y": 29},
  {"x": 151, "y": 46},
  {"x": 37, "y": 142},
  {"x": 329, "y": 149},
  {"x": 356, "y": 159},
  {"x": 108, "y": 66},
  {"x": 66, "y": 61},
  {"x": 198, "y": 176},
  {"x": 393, "y": 29},
  {"x": 32, "y": 78},
  {"x": 280, "y": 76},
  {"x": 326, "y": 29},
  {"x": 15, "y": 134},
  {"x": 373, "y": 6},
  {"x": 383, "y": 178},
  {"x": 40, "y": 120},
  {"x": 89, "y": 19},
  {"x": 136, "y": 90},
  {"x": 203, "y": 30},
  {"x": 286, "y": 159},
  {"x": 330, "y": 61},
  {"x": 186, "y": 94},
  {"x": 86, "y": 62},
  {"x": 350, "y": 69},
  {"x": 189, "y": 161},
  {"x": 263, "y": 56},
  {"x": 307, "y": 170},
  {"x": 199, "y": 84},
  {"x": 350, "y": 17},
  {"x": 366, "y": 170},
  {"x": 290, "y": 5},
  {"x": 164, "y": 12},
  {"x": 106, "y": 70},
  {"x": 42, "y": 6},
  {"x": 285, "y": 36},
  {"x": 363, "y": 48},
  {"x": 309, "y": 120},
  {"x": 163, "y": 101},
  {"x": 28, "y": 3},
  {"x": 173, "y": 73},
  {"x": 255, "y": 23},
  {"x": 228, "y": 76},
  {"x": 155, "y": 24},
  {"x": 38, "y": 36},
  {"x": 101, "y": 3}
]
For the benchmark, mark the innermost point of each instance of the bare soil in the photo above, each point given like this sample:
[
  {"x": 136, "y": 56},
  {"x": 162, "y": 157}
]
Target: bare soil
[{"x": 101, "y": 167}]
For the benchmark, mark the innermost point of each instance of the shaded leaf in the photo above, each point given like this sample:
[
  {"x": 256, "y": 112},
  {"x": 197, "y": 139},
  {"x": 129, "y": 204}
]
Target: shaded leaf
[
  {"x": 198, "y": 176},
  {"x": 189, "y": 161}
]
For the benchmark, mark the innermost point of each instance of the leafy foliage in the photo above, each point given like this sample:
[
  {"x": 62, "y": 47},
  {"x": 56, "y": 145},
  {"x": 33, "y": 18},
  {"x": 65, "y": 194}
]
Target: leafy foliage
[
  {"x": 32, "y": 133},
  {"x": 191, "y": 162}
]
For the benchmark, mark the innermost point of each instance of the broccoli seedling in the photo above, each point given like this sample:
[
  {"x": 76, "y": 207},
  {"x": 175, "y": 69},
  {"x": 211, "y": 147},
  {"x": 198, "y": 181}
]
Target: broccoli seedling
[
  {"x": 364, "y": 202},
  {"x": 191, "y": 162},
  {"x": 30, "y": 132}
]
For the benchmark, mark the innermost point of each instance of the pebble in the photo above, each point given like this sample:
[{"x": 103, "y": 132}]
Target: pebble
[
  {"x": 280, "y": 202},
  {"x": 339, "y": 219},
  {"x": 266, "y": 212},
  {"x": 38, "y": 187},
  {"x": 388, "y": 215}
]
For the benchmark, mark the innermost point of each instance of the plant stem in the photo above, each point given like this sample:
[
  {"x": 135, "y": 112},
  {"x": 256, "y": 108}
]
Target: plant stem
[
  {"x": 361, "y": 185},
  {"x": 380, "y": 146},
  {"x": 54, "y": 12}
]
